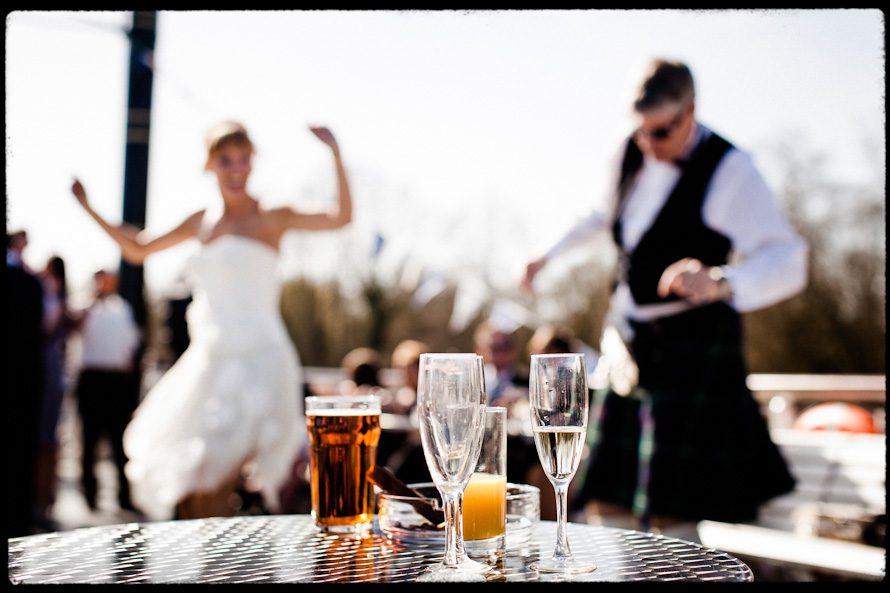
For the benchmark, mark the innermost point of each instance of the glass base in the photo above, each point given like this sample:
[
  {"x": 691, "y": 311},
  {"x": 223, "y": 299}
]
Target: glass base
[
  {"x": 563, "y": 566},
  {"x": 485, "y": 548},
  {"x": 359, "y": 529},
  {"x": 466, "y": 570}
]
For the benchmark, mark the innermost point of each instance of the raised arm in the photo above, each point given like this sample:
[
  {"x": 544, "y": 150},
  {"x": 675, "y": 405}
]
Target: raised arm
[
  {"x": 584, "y": 230},
  {"x": 333, "y": 218},
  {"x": 134, "y": 244}
]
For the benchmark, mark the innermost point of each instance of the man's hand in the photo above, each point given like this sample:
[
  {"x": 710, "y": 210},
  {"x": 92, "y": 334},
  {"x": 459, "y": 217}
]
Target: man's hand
[
  {"x": 692, "y": 280},
  {"x": 531, "y": 270}
]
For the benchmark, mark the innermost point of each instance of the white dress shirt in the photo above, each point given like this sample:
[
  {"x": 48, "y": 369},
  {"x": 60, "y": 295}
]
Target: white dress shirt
[
  {"x": 109, "y": 335},
  {"x": 768, "y": 262}
]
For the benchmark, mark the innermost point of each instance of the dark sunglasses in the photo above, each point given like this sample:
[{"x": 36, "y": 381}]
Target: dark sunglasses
[{"x": 663, "y": 132}]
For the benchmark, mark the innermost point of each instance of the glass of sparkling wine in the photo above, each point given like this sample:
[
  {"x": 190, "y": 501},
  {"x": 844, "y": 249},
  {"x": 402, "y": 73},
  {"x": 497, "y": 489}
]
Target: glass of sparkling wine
[
  {"x": 451, "y": 410},
  {"x": 558, "y": 404}
]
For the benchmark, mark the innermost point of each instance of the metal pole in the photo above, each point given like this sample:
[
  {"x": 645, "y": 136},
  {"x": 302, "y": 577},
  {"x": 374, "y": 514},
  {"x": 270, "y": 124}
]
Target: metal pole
[
  {"x": 132, "y": 283},
  {"x": 142, "y": 44}
]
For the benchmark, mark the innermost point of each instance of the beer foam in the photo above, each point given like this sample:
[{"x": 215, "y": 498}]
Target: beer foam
[{"x": 344, "y": 412}]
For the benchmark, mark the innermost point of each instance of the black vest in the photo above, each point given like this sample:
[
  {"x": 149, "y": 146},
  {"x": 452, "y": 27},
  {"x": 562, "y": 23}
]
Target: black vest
[{"x": 678, "y": 230}]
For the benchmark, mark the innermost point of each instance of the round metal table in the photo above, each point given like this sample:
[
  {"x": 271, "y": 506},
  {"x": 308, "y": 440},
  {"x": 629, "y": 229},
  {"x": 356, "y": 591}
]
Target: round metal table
[{"x": 288, "y": 548}]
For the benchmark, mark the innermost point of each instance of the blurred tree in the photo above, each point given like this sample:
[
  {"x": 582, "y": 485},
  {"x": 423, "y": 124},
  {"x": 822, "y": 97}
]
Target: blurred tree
[
  {"x": 579, "y": 297},
  {"x": 321, "y": 321},
  {"x": 838, "y": 323},
  {"x": 380, "y": 306}
]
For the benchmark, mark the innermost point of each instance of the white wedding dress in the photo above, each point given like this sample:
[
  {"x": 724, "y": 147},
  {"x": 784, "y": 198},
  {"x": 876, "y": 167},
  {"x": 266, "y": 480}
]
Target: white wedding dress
[{"x": 235, "y": 393}]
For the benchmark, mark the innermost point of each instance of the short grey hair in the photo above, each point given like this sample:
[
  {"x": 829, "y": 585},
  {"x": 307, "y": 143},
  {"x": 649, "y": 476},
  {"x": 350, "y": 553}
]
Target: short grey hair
[{"x": 665, "y": 82}]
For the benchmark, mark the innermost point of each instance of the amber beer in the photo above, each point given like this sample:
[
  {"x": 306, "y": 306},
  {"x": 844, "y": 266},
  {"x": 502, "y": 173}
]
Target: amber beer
[{"x": 343, "y": 436}]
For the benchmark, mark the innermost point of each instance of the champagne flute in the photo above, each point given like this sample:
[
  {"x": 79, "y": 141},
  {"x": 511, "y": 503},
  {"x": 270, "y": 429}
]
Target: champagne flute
[
  {"x": 451, "y": 409},
  {"x": 558, "y": 404}
]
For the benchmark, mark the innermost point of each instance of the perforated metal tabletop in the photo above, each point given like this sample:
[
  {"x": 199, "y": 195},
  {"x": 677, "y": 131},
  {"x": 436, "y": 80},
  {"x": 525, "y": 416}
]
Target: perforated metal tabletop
[{"x": 288, "y": 548}]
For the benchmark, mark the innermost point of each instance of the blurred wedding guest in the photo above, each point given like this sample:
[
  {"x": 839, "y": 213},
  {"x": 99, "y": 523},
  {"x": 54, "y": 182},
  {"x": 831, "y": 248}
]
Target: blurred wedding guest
[
  {"x": 400, "y": 447},
  {"x": 552, "y": 339},
  {"x": 57, "y": 323},
  {"x": 506, "y": 381},
  {"x": 406, "y": 358},
  {"x": 16, "y": 242},
  {"x": 23, "y": 378},
  {"x": 507, "y": 386},
  {"x": 701, "y": 240},
  {"x": 362, "y": 369},
  {"x": 560, "y": 339},
  {"x": 229, "y": 410},
  {"x": 178, "y": 338},
  {"x": 176, "y": 333},
  {"x": 106, "y": 397}
]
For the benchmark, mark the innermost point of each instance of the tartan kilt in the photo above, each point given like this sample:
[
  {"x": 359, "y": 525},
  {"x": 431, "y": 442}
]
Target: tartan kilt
[{"x": 708, "y": 453}]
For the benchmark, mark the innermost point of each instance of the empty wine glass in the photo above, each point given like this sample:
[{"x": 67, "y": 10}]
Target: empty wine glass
[
  {"x": 451, "y": 409},
  {"x": 558, "y": 404}
]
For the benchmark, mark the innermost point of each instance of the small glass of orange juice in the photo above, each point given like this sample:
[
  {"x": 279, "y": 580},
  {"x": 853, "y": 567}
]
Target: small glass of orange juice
[{"x": 485, "y": 497}]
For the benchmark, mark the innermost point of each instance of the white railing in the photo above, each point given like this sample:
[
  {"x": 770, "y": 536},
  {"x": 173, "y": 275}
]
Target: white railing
[
  {"x": 849, "y": 388},
  {"x": 784, "y": 396}
]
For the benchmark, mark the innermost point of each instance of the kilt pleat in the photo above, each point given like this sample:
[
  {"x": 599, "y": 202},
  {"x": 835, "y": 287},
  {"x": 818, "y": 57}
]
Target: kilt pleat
[{"x": 708, "y": 453}]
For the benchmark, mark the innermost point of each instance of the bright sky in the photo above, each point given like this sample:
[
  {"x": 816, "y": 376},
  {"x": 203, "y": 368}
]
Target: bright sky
[{"x": 473, "y": 138}]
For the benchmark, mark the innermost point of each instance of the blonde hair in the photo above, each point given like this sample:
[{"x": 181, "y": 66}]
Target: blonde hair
[
  {"x": 407, "y": 352},
  {"x": 551, "y": 339},
  {"x": 224, "y": 133}
]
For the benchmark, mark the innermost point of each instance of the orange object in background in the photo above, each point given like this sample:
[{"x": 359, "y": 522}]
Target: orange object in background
[{"x": 836, "y": 416}]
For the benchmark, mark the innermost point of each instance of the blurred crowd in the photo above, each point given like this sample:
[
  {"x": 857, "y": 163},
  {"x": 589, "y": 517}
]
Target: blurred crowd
[{"x": 42, "y": 325}]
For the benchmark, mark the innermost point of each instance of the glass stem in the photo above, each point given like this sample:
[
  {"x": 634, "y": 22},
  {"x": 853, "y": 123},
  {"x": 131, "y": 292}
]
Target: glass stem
[
  {"x": 562, "y": 550},
  {"x": 454, "y": 533}
]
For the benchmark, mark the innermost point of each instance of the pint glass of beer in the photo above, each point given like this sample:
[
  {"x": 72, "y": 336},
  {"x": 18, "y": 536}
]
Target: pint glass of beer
[{"x": 343, "y": 434}]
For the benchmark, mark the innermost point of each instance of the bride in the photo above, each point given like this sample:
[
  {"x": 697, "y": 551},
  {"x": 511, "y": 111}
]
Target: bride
[{"x": 234, "y": 398}]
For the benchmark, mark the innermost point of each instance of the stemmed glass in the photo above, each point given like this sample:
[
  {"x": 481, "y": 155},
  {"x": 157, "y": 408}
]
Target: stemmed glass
[
  {"x": 451, "y": 409},
  {"x": 558, "y": 403}
]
